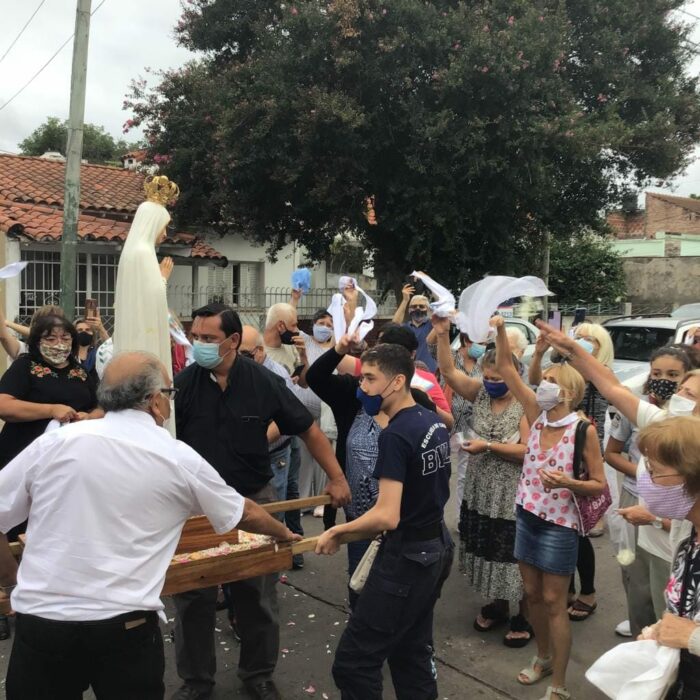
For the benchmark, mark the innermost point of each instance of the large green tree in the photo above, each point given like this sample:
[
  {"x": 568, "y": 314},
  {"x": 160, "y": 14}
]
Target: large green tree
[
  {"x": 586, "y": 268},
  {"x": 478, "y": 127},
  {"x": 98, "y": 145}
]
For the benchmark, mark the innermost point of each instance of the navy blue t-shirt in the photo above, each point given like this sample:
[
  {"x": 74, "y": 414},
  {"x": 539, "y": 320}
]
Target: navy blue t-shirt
[
  {"x": 423, "y": 354},
  {"x": 415, "y": 449}
]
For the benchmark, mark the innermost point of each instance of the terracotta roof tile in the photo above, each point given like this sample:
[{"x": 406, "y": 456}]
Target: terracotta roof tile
[
  {"x": 40, "y": 181},
  {"x": 685, "y": 202},
  {"x": 40, "y": 223}
]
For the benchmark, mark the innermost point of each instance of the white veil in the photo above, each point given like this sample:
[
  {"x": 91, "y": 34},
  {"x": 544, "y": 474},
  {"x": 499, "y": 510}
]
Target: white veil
[{"x": 140, "y": 304}]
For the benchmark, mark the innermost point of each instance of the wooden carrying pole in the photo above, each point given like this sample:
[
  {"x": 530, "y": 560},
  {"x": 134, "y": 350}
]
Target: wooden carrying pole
[{"x": 198, "y": 534}]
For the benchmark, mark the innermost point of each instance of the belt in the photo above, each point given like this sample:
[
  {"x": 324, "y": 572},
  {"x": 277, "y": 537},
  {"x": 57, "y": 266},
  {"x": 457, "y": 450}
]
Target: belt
[
  {"x": 281, "y": 447},
  {"x": 118, "y": 619},
  {"x": 421, "y": 534}
]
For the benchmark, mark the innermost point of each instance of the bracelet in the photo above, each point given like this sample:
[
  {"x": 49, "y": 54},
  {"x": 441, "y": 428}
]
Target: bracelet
[
  {"x": 694, "y": 642},
  {"x": 488, "y": 446}
]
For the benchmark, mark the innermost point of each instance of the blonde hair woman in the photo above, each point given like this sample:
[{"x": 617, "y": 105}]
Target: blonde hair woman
[
  {"x": 671, "y": 489},
  {"x": 547, "y": 522}
]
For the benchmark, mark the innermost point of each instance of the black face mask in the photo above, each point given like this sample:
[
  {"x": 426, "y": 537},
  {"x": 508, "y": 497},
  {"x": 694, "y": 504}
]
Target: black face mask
[
  {"x": 662, "y": 389},
  {"x": 288, "y": 336},
  {"x": 84, "y": 339}
]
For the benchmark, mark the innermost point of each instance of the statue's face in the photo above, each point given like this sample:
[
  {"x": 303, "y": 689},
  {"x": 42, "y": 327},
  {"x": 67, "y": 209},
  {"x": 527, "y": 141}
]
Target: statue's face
[{"x": 161, "y": 236}]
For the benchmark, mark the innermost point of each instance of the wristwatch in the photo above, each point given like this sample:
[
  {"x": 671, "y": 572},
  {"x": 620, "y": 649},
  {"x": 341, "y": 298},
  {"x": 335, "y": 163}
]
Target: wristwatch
[{"x": 658, "y": 523}]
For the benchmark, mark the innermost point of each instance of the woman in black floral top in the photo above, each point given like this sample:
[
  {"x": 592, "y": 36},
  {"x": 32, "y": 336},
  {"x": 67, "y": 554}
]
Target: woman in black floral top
[
  {"x": 46, "y": 382},
  {"x": 672, "y": 490}
]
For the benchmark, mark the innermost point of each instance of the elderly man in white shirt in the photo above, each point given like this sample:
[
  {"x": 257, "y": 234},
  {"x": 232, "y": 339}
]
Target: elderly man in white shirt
[{"x": 106, "y": 501}]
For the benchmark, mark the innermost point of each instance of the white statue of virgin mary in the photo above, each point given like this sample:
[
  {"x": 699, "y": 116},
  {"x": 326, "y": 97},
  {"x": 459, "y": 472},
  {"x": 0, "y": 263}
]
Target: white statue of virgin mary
[{"x": 140, "y": 304}]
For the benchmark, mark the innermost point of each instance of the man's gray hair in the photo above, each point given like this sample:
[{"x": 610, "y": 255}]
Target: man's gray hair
[{"x": 132, "y": 390}]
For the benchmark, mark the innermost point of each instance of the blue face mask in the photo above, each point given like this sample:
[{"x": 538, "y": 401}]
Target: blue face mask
[
  {"x": 322, "y": 333},
  {"x": 476, "y": 350},
  {"x": 495, "y": 389},
  {"x": 371, "y": 403},
  {"x": 207, "y": 354},
  {"x": 586, "y": 345}
]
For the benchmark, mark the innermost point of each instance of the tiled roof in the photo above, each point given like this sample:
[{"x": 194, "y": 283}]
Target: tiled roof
[
  {"x": 31, "y": 201},
  {"x": 685, "y": 202},
  {"x": 41, "y": 223},
  {"x": 40, "y": 181}
]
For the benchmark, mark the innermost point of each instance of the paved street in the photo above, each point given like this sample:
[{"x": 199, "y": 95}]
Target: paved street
[{"x": 470, "y": 665}]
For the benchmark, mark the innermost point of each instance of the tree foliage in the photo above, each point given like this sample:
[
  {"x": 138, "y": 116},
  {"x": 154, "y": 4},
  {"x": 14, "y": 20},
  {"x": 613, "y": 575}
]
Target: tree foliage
[
  {"x": 98, "y": 145},
  {"x": 586, "y": 268},
  {"x": 478, "y": 127}
]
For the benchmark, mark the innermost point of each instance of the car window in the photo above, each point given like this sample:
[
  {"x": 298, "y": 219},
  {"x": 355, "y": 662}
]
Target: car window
[
  {"x": 637, "y": 343},
  {"x": 525, "y": 330}
]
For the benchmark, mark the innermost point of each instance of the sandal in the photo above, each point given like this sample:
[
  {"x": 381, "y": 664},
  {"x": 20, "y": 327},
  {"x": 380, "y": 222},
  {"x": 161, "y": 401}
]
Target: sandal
[
  {"x": 493, "y": 614},
  {"x": 536, "y": 671},
  {"x": 581, "y": 607},
  {"x": 557, "y": 693},
  {"x": 518, "y": 624}
]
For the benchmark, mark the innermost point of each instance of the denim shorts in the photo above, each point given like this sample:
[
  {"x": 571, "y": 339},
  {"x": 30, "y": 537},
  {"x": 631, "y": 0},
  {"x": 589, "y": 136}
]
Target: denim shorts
[{"x": 546, "y": 546}]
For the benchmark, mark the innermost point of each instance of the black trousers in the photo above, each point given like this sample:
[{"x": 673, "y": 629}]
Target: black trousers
[
  {"x": 120, "y": 658},
  {"x": 254, "y": 603},
  {"x": 393, "y": 621}
]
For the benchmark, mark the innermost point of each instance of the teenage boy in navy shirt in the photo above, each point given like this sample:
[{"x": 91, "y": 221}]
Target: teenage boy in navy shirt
[{"x": 393, "y": 618}]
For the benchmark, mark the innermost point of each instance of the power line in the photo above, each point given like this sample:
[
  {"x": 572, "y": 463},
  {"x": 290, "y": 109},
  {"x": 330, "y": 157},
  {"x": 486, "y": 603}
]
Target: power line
[
  {"x": 38, "y": 73},
  {"x": 21, "y": 31},
  {"x": 690, "y": 14}
]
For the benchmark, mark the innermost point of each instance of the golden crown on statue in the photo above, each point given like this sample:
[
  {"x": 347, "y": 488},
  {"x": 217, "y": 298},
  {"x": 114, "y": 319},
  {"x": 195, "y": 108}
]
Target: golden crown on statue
[{"x": 160, "y": 190}]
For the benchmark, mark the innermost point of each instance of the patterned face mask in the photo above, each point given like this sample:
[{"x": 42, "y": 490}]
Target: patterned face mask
[
  {"x": 662, "y": 389},
  {"x": 54, "y": 354}
]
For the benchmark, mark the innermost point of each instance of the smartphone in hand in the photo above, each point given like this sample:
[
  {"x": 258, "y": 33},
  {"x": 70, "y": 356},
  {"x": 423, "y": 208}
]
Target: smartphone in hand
[{"x": 91, "y": 308}]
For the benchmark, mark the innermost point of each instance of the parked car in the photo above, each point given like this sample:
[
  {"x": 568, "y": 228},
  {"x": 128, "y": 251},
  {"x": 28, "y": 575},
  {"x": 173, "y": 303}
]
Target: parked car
[{"x": 636, "y": 337}]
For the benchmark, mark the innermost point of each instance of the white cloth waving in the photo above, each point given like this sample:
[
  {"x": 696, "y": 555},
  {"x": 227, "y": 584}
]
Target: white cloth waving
[
  {"x": 362, "y": 321},
  {"x": 479, "y": 301},
  {"x": 444, "y": 305}
]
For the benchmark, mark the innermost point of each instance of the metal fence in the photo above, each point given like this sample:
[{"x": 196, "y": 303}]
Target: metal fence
[{"x": 253, "y": 303}]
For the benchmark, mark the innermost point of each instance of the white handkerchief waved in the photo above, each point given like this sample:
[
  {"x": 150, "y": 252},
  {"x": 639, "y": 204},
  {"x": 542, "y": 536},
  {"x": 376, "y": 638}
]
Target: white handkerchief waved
[
  {"x": 361, "y": 322},
  {"x": 12, "y": 270},
  {"x": 635, "y": 671},
  {"x": 444, "y": 305},
  {"x": 478, "y": 302}
]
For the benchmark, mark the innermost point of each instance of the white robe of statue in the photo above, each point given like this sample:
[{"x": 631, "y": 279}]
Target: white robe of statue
[{"x": 140, "y": 303}]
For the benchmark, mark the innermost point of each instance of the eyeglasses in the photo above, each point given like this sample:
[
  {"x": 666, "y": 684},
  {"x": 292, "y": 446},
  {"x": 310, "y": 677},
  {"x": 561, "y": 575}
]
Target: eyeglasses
[
  {"x": 417, "y": 308},
  {"x": 169, "y": 391},
  {"x": 246, "y": 353}
]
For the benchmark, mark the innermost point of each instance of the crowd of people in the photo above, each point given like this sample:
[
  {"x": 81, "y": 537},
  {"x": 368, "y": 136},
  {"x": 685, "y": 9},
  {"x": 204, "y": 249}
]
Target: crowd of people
[{"x": 90, "y": 470}]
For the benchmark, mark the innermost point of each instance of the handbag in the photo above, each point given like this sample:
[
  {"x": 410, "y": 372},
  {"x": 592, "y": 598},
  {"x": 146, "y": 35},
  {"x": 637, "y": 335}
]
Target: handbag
[
  {"x": 641, "y": 670},
  {"x": 590, "y": 508},
  {"x": 359, "y": 576}
]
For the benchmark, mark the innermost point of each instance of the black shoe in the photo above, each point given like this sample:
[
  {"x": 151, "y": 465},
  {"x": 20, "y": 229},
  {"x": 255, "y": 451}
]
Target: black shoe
[
  {"x": 4, "y": 627},
  {"x": 297, "y": 561},
  {"x": 189, "y": 692},
  {"x": 262, "y": 690}
]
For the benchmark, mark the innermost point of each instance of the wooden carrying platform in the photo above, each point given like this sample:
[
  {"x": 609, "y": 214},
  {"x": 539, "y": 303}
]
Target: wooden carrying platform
[{"x": 197, "y": 534}]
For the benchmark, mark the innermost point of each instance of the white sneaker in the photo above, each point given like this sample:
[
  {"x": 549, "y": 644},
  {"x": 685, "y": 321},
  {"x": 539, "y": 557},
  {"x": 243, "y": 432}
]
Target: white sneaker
[
  {"x": 318, "y": 512},
  {"x": 623, "y": 629}
]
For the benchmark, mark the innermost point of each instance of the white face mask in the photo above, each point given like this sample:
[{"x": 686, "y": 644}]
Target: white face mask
[
  {"x": 680, "y": 406},
  {"x": 548, "y": 395}
]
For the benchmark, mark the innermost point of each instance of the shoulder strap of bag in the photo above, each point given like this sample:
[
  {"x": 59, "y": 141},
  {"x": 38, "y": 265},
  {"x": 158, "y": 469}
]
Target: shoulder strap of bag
[{"x": 579, "y": 442}]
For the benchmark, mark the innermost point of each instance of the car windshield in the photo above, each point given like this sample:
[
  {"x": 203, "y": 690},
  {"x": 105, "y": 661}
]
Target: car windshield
[{"x": 638, "y": 342}]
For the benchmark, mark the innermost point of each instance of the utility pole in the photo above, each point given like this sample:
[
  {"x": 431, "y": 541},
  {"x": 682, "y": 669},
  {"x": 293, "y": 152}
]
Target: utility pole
[
  {"x": 74, "y": 152},
  {"x": 545, "y": 273}
]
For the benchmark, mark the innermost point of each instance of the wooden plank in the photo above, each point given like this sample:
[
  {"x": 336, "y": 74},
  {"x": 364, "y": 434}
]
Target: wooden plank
[
  {"x": 227, "y": 568},
  {"x": 296, "y": 504},
  {"x": 309, "y": 544}
]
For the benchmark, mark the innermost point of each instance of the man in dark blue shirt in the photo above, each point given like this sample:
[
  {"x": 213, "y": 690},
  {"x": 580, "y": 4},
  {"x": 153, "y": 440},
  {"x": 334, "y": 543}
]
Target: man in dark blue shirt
[
  {"x": 393, "y": 618},
  {"x": 419, "y": 323}
]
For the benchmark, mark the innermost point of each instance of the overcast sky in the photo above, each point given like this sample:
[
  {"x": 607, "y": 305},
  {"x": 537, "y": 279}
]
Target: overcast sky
[{"x": 125, "y": 37}]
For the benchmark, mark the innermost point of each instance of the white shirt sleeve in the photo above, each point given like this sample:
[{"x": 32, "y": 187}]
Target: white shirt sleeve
[
  {"x": 620, "y": 428},
  {"x": 647, "y": 414},
  {"x": 15, "y": 478},
  {"x": 213, "y": 497}
]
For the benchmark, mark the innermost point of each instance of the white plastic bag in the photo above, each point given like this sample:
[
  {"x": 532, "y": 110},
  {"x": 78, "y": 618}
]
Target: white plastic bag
[{"x": 635, "y": 671}]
